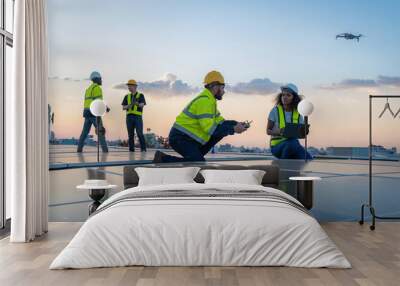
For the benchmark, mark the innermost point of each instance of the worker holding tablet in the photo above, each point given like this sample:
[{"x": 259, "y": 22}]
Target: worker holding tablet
[{"x": 286, "y": 125}]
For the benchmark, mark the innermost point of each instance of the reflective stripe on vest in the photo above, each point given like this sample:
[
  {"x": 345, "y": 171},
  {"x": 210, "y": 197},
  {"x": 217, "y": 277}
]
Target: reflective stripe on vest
[
  {"x": 133, "y": 109},
  {"x": 282, "y": 123},
  {"x": 218, "y": 117},
  {"x": 200, "y": 117},
  {"x": 194, "y": 116},
  {"x": 92, "y": 92}
]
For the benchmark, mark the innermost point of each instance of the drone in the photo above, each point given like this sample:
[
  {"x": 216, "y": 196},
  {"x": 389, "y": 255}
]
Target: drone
[{"x": 349, "y": 36}]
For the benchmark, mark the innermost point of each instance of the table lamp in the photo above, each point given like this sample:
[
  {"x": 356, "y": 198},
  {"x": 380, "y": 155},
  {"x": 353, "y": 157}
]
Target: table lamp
[
  {"x": 305, "y": 108},
  {"x": 98, "y": 108}
]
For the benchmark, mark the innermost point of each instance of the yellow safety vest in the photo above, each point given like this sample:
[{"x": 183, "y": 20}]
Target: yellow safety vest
[
  {"x": 200, "y": 117},
  {"x": 282, "y": 123},
  {"x": 92, "y": 93},
  {"x": 133, "y": 109}
]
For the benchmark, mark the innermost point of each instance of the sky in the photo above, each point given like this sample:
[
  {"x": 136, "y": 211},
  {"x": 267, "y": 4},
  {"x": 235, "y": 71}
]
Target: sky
[{"x": 168, "y": 46}]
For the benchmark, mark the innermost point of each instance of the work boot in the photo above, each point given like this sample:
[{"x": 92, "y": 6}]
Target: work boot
[{"x": 158, "y": 157}]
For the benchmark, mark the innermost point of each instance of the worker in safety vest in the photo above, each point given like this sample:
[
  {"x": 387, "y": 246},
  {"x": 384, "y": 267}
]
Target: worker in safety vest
[
  {"x": 200, "y": 125},
  {"x": 285, "y": 111},
  {"x": 92, "y": 93},
  {"x": 133, "y": 103}
]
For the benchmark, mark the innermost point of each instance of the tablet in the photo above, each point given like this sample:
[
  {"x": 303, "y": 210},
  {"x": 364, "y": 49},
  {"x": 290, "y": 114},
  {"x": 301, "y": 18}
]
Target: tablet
[{"x": 292, "y": 130}]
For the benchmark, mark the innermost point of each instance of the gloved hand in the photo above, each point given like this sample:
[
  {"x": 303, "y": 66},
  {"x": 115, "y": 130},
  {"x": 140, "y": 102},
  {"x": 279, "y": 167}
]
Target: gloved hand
[
  {"x": 247, "y": 124},
  {"x": 108, "y": 109},
  {"x": 239, "y": 128}
]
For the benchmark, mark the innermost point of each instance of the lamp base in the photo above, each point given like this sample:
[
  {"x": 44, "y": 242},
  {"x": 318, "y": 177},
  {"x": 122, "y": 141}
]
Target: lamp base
[
  {"x": 305, "y": 137},
  {"x": 96, "y": 195}
]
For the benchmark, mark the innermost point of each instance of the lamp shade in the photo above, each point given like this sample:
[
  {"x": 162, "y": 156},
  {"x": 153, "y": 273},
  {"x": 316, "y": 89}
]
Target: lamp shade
[
  {"x": 98, "y": 107},
  {"x": 305, "y": 107}
]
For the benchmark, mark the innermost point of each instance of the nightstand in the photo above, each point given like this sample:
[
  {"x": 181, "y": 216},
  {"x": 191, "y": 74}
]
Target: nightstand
[
  {"x": 304, "y": 191},
  {"x": 97, "y": 190}
]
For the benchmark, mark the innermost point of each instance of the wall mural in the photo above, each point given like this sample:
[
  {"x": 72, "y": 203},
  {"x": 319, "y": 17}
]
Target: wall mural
[{"x": 229, "y": 84}]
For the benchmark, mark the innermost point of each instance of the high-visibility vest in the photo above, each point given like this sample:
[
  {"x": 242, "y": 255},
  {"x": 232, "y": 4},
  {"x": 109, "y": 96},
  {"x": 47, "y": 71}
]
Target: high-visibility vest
[
  {"x": 92, "y": 92},
  {"x": 200, "y": 117},
  {"x": 282, "y": 123},
  {"x": 134, "y": 108}
]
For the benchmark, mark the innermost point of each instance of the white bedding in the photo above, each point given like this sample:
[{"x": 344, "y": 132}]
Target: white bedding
[{"x": 200, "y": 231}]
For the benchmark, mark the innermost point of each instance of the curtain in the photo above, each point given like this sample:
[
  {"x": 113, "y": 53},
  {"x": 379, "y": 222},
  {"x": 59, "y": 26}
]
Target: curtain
[{"x": 26, "y": 124}]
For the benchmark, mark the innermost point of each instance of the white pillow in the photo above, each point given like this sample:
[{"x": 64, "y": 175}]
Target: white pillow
[
  {"x": 166, "y": 176},
  {"x": 248, "y": 177}
]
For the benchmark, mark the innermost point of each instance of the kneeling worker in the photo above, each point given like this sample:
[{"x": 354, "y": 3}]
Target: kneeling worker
[
  {"x": 200, "y": 126},
  {"x": 133, "y": 103}
]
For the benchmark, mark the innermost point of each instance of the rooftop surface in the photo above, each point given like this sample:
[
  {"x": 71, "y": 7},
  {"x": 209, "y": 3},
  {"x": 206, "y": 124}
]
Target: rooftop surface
[{"x": 337, "y": 197}]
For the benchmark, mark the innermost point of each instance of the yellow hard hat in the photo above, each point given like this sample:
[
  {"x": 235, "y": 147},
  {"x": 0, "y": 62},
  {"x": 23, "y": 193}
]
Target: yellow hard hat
[
  {"x": 131, "y": 82},
  {"x": 214, "y": 76}
]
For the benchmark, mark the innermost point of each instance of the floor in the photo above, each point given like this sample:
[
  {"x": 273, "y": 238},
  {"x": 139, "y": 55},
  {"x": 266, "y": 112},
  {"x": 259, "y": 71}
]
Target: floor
[{"x": 375, "y": 257}]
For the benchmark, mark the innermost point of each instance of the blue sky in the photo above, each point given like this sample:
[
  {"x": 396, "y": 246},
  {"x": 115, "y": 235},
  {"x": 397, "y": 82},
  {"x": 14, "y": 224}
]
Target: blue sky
[
  {"x": 277, "y": 39},
  {"x": 282, "y": 41}
]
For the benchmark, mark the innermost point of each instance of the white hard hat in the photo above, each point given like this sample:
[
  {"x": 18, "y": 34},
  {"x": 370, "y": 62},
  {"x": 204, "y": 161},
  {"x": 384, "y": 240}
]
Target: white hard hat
[
  {"x": 94, "y": 75},
  {"x": 290, "y": 86}
]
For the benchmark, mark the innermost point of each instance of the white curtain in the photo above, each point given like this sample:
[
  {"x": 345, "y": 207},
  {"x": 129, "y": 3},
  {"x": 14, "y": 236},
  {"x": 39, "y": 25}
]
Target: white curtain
[{"x": 26, "y": 124}]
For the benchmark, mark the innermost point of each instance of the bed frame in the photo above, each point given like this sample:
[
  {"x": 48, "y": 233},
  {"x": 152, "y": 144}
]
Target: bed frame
[{"x": 270, "y": 179}]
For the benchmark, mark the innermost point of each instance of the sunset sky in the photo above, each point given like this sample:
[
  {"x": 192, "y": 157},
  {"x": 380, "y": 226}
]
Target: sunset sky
[{"x": 168, "y": 46}]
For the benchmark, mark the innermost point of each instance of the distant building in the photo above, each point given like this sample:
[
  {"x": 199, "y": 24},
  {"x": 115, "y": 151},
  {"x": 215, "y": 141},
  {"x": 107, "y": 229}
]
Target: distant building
[
  {"x": 52, "y": 137},
  {"x": 315, "y": 151},
  {"x": 151, "y": 140},
  {"x": 50, "y": 124},
  {"x": 362, "y": 152},
  {"x": 225, "y": 148},
  {"x": 90, "y": 141},
  {"x": 347, "y": 151},
  {"x": 117, "y": 142},
  {"x": 242, "y": 149},
  {"x": 67, "y": 141}
]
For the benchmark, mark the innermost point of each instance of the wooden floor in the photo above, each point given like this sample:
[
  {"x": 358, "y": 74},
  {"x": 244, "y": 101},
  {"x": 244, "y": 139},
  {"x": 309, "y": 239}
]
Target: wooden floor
[{"x": 375, "y": 257}]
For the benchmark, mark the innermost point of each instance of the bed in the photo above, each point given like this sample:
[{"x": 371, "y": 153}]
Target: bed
[{"x": 197, "y": 224}]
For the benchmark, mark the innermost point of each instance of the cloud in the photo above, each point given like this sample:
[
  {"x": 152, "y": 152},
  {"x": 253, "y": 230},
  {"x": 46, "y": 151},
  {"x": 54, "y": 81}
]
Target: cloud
[
  {"x": 380, "y": 81},
  {"x": 389, "y": 80},
  {"x": 256, "y": 86},
  {"x": 169, "y": 84},
  {"x": 169, "y": 77},
  {"x": 67, "y": 78},
  {"x": 121, "y": 86}
]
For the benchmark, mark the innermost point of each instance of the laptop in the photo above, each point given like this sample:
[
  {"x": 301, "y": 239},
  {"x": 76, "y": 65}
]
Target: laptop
[{"x": 294, "y": 131}]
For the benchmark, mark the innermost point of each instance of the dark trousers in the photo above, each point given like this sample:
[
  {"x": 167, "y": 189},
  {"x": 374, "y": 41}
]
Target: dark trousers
[
  {"x": 290, "y": 149},
  {"x": 87, "y": 125},
  {"x": 190, "y": 149},
  {"x": 135, "y": 122}
]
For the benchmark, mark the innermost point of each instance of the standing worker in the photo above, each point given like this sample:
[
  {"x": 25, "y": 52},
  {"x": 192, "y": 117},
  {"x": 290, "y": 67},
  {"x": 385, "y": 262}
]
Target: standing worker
[
  {"x": 200, "y": 126},
  {"x": 92, "y": 93},
  {"x": 133, "y": 103}
]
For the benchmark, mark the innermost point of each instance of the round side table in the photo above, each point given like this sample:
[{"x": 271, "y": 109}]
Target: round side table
[
  {"x": 96, "y": 193},
  {"x": 304, "y": 191}
]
